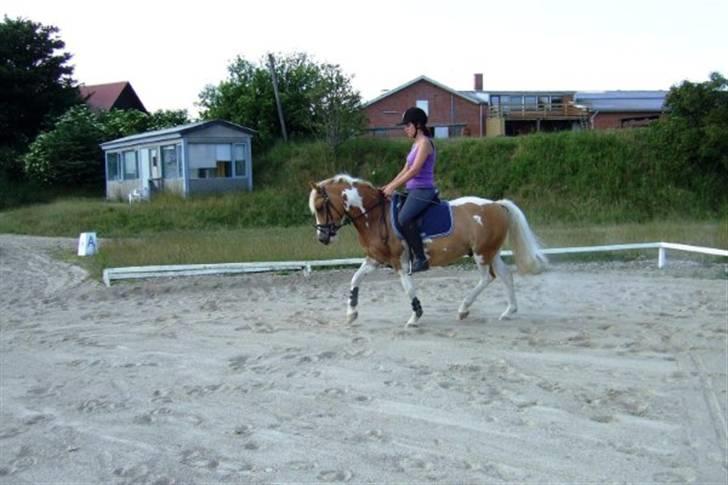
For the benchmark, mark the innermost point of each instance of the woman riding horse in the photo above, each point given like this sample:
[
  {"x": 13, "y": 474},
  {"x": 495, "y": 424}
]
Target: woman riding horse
[
  {"x": 418, "y": 175},
  {"x": 480, "y": 228}
]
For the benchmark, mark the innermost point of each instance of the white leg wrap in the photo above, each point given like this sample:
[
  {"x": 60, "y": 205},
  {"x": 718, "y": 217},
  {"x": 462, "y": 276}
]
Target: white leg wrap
[
  {"x": 367, "y": 267},
  {"x": 502, "y": 271},
  {"x": 485, "y": 279}
]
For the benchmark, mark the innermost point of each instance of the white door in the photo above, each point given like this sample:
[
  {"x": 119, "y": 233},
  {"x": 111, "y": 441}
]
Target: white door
[
  {"x": 156, "y": 167},
  {"x": 146, "y": 169}
]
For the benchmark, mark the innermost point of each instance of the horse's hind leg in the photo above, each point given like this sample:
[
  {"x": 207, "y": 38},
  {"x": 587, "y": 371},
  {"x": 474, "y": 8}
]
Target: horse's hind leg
[
  {"x": 366, "y": 268},
  {"x": 409, "y": 288},
  {"x": 485, "y": 278},
  {"x": 502, "y": 271}
]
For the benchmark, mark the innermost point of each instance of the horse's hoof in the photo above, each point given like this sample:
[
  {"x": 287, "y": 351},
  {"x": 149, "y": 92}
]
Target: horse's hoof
[
  {"x": 351, "y": 317},
  {"x": 463, "y": 315},
  {"x": 506, "y": 315},
  {"x": 412, "y": 322}
]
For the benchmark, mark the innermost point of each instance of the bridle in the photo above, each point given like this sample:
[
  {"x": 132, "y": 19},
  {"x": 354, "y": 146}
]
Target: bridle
[{"x": 330, "y": 228}]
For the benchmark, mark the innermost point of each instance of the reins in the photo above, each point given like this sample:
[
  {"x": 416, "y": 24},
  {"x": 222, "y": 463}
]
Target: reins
[{"x": 346, "y": 218}]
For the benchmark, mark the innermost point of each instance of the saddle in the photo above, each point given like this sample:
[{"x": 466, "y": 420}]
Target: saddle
[{"x": 434, "y": 222}]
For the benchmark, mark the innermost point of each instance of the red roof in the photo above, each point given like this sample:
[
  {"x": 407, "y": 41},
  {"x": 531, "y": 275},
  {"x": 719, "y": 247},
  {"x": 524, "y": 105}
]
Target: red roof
[{"x": 112, "y": 95}]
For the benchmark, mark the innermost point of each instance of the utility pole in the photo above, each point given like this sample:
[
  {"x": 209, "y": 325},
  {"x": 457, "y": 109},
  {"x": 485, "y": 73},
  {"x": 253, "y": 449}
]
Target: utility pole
[{"x": 271, "y": 66}]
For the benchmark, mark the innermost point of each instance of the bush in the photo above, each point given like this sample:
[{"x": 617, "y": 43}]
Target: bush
[{"x": 69, "y": 155}]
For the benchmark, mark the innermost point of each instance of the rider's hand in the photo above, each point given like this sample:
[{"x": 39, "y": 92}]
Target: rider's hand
[{"x": 387, "y": 190}]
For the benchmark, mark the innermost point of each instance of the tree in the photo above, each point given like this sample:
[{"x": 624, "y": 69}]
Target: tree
[
  {"x": 119, "y": 123},
  {"x": 69, "y": 154},
  {"x": 36, "y": 83},
  {"x": 340, "y": 116},
  {"x": 161, "y": 119},
  {"x": 318, "y": 100},
  {"x": 693, "y": 137},
  {"x": 697, "y": 124}
]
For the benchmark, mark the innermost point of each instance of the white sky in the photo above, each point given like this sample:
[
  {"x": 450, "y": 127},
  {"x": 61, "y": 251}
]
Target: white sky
[{"x": 169, "y": 50}]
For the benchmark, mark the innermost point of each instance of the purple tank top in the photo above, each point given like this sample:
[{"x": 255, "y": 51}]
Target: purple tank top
[{"x": 425, "y": 179}]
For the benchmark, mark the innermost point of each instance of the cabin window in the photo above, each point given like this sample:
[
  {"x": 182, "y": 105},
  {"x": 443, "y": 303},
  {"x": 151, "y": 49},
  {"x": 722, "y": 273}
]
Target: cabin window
[
  {"x": 531, "y": 102},
  {"x": 213, "y": 160},
  {"x": 113, "y": 171},
  {"x": 170, "y": 156},
  {"x": 131, "y": 169},
  {"x": 424, "y": 105},
  {"x": 239, "y": 156}
]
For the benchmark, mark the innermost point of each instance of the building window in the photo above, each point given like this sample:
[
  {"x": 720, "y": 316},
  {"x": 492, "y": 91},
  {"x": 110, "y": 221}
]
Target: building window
[
  {"x": 516, "y": 102},
  {"x": 131, "y": 170},
  {"x": 424, "y": 105},
  {"x": 505, "y": 102},
  {"x": 170, "y": 155},
  {"x": 113, "y": 172},
  {"x": 239, "y": 152},
  {"x": 531, "y": 103},
  {"x": 208, "y": 160},
  {"x": 442, "y": 132}
]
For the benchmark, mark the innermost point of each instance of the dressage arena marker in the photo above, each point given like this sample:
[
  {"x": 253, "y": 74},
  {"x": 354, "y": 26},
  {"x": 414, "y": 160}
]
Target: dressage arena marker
[{"x": 137, "y": 272}]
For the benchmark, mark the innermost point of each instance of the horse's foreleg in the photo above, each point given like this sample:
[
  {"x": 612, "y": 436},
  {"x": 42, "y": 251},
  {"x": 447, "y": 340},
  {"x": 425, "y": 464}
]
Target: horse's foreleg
[
  {"x": 485, "y": 279},
  {"x": 367, "y": 266},
  {"x": 409, "y": 288},
  {"x": 502, "y": 271}
]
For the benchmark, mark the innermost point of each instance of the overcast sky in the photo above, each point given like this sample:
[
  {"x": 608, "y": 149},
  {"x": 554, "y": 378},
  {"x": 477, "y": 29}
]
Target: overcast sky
[{"x": 169, "y": 50}]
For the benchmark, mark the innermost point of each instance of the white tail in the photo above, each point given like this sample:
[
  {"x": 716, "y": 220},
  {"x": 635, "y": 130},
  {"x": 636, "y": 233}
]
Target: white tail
[{"x": 526, "y": 246}]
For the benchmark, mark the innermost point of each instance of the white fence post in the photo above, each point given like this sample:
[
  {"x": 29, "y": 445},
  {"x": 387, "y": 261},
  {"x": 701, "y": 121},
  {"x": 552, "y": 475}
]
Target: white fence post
[{"x": 661, "y": 257}]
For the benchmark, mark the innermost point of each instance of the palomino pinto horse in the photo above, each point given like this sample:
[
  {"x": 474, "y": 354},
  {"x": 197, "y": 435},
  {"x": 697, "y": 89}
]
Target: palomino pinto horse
[{"x": 480, "y": 227}]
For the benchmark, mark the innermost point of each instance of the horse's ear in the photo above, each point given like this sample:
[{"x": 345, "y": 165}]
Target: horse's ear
[{"x": 314, "y": 186}]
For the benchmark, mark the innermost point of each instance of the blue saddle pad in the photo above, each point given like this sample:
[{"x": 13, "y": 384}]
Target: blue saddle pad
[{"x": 435, "y": 221}]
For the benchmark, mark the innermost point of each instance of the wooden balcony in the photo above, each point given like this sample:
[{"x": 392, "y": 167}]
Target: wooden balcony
[{"x": 551, "y": 111}]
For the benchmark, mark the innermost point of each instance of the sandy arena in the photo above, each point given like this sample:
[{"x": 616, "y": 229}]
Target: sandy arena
[{"x": 609, "y": 372}]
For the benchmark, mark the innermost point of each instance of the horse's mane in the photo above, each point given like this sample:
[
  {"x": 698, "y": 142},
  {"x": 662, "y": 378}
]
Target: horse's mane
[{"x": 343, "y": 178}]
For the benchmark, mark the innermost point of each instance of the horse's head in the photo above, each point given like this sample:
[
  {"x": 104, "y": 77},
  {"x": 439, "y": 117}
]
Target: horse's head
[
  {"x": 327, "y": 207},
  {"x": 335, "y": 202}
]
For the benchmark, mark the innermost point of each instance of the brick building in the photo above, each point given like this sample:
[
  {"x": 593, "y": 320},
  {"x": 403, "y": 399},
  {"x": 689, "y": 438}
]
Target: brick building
[
  {"x": 450, "y": 112},
  {"x": 507, "y": 113}
]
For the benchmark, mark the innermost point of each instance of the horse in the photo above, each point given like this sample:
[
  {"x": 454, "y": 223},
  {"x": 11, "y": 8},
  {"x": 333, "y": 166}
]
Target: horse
[{"x": 479, "y": 229}]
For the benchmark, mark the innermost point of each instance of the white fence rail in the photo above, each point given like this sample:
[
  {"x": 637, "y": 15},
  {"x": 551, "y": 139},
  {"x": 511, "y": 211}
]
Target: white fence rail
[{"x": 136, "y": 272}]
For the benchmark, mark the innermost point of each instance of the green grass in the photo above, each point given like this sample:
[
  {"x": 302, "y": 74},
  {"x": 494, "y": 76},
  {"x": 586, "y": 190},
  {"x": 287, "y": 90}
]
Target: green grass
[{"x": 299, "y": 243}]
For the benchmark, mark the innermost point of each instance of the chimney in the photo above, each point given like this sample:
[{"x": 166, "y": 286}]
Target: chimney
[{"x": 479, "y": 81}]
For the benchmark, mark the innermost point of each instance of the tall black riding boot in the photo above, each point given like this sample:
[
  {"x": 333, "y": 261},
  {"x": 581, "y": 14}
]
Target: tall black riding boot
[{"x": 418, "y": 261}]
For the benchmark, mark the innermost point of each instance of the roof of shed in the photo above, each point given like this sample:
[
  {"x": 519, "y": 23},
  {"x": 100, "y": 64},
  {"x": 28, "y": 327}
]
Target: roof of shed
[{"x": 177, "y": 131}]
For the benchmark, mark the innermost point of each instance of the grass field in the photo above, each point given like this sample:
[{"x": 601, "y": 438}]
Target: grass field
[{"x": 299, "y": 243}]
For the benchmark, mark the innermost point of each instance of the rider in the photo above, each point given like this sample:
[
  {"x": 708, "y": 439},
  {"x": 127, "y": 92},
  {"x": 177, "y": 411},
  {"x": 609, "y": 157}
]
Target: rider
[{"x": 418, "y": 175}]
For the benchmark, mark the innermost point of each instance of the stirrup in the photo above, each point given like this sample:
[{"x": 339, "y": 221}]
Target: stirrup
[{"x": 419, "y": 265}]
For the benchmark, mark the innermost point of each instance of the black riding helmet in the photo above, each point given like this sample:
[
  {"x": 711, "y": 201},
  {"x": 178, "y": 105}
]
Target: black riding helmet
[{"x": 415, "y": 116}]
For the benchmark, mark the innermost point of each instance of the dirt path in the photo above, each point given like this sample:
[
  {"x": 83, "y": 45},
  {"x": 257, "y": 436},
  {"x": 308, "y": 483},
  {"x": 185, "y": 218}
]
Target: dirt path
[{"x": 608, "y": 373}]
